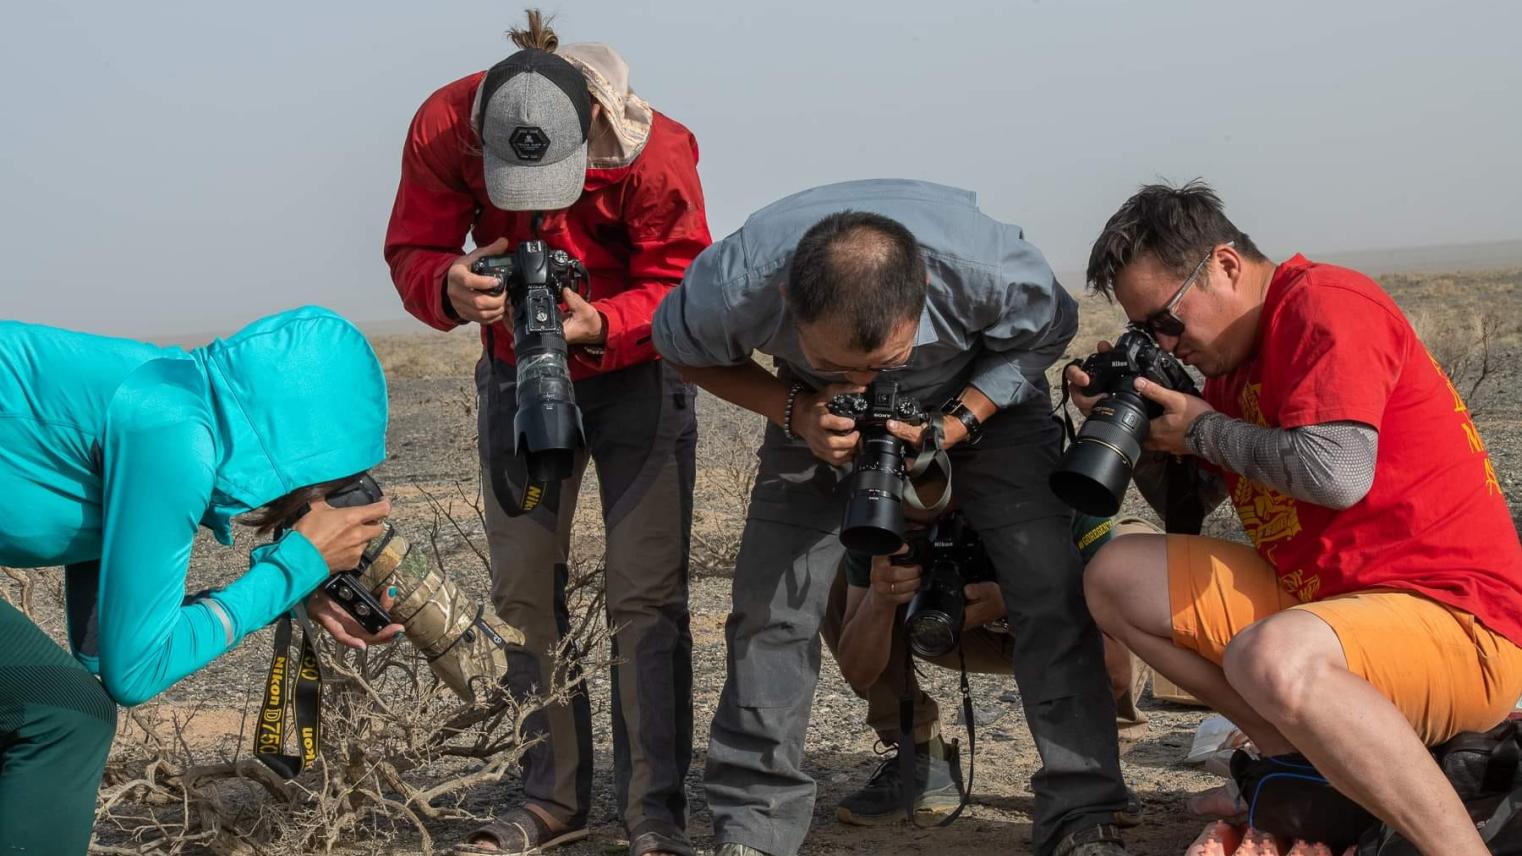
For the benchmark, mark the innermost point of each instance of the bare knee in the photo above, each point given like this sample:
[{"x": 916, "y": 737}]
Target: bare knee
[
  {"x": 1280, "y": 663},
  {"x": 1125, "y": 584}
]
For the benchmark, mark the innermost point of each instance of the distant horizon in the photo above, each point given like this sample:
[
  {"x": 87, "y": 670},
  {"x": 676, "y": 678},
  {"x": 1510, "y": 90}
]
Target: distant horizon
[
  {"x": 179, "y": 168},
  {"x": 1482, "y": 255}
]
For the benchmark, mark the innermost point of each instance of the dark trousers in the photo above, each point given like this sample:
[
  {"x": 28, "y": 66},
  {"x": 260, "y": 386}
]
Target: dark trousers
[
  {"x": 756, "y": 788},
  {"x": 56, "y": 725},
  {"x": 642, "y": 438}
]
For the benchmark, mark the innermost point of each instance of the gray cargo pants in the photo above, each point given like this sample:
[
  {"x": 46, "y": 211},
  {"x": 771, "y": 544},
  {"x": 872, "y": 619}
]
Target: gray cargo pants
[
  {"x": 642, "y": 437},
  {"x": 756, "y": 788}
]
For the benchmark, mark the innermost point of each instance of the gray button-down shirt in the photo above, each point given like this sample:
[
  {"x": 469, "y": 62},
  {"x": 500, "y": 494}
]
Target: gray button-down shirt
[{"x": 995, "y": 315}]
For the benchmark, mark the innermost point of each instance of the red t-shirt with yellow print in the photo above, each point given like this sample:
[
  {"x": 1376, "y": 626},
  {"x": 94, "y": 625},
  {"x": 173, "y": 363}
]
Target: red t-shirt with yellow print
[{"x": 1332, "y": 346}]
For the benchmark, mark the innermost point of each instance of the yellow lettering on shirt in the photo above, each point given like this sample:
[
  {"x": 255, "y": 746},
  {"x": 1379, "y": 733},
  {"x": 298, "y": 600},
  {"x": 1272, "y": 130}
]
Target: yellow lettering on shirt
[
  {"x": 1267, "y": 515},
  {"x": 1471, "y": 433},
  {"x": 1302, "y": 586}
]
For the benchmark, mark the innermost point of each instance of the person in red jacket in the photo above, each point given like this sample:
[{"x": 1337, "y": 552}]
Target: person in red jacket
[{"x": 552, "y": 144}]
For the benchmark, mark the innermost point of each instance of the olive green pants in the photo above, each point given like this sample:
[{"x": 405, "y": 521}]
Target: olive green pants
[{"x": 56, "y": 725}]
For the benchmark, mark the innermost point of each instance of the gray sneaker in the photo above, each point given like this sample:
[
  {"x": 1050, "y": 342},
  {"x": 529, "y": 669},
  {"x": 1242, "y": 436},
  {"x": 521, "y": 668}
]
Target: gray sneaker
[
  {"x": 737, "y": 850},
  {"x": 881, "y": 802}
]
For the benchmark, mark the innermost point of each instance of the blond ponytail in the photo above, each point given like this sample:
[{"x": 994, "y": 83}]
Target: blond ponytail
[{"x": 538, "y": 34}]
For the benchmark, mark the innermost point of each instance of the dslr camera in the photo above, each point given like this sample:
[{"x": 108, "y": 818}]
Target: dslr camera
[
  {"x": 464, "y": 642},
  {"x": 950, "y": 556},
  {"x": 1094, "y": 472},
  {"x": 547, "y": 430},
  {"x": 874, "y": 515}
]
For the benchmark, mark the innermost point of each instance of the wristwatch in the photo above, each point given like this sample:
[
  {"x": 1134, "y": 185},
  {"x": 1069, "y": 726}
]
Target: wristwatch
[{"x": 958, "y": 410}]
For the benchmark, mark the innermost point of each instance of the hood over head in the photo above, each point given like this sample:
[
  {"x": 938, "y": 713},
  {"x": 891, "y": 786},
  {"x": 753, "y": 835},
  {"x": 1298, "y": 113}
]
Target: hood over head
[{"x": 299, "y": 398}]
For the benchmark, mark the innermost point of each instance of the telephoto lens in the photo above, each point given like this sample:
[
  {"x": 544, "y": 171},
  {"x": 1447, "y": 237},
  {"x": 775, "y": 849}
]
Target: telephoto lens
[
  {"x": 464, "y": 642},
  {"x": 873, "y": 521},
  {"x": 547, "y": 430},
  {"x": 1096, "y": 469}
]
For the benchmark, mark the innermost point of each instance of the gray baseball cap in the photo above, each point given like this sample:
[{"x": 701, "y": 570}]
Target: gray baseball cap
[{"x": 533, "y": 111}]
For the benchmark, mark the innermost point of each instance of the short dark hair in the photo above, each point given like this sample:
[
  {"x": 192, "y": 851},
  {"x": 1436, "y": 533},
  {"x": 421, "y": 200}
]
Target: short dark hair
[
  {"x": 862, "y": 268},
  {"x": 1177, "y": 225},
  {"x": 281, "y": 512}
]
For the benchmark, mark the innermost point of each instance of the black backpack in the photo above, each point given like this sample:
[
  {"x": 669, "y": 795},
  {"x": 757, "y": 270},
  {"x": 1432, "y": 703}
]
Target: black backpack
[
  {"x": 1286, "y": 796},
  {"x": 1484, "y": 769}
]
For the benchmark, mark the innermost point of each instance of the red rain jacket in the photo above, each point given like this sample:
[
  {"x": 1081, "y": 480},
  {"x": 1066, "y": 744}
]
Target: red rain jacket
[{"x": 636, "y": 227}]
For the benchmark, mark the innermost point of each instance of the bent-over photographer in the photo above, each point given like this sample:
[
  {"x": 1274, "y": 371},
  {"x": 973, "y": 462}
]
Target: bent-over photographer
[
  {"x": 552, "y": 145},
  {"x": 841, "y": 285},
  {"x": 113, "y": 455}
]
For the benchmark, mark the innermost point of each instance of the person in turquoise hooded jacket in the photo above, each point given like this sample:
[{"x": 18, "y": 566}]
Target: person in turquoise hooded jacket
[{"x": 112, "y": 454}]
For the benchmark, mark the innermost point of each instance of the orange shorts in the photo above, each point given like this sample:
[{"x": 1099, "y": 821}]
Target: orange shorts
[{"x": 1440, "y": 666}]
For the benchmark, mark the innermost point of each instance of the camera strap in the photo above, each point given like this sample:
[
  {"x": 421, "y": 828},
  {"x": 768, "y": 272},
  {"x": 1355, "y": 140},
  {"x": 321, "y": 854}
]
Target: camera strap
[
  {"x": 270, "y": 730},
  {"x": 907, "y": 768},
  {"x": 930, "y": 453},
  {"x": 1060, "y": 414},
  {"x": 499, "y": 452}
]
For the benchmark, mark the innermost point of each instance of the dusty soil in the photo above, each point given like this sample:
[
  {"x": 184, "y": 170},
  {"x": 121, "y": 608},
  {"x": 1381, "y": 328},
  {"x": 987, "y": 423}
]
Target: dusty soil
[{"x": 432, "y": 439}]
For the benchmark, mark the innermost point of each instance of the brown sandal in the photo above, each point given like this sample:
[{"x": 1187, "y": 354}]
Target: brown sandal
[{"x": 518, "y": 832}]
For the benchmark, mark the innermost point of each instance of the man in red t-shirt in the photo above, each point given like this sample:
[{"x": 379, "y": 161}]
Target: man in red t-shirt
[
  {"x": 1381, "y": 602},
  {"x": 551, "y": 143}
]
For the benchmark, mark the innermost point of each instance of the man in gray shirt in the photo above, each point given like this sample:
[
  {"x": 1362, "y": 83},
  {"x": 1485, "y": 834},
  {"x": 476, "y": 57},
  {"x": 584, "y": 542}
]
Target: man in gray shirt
[{"x": 832, "y": 283}]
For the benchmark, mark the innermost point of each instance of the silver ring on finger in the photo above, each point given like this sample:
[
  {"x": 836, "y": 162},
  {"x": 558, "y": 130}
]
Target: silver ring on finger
[{"x": 892, "y": 588}]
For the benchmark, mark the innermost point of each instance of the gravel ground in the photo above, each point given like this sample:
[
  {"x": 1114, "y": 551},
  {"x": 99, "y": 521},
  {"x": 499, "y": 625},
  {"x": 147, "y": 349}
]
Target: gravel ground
[{"x": 432, "y": 440}]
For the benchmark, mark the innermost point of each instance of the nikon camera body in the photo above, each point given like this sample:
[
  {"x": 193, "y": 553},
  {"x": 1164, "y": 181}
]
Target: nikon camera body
[
  {"x": 950, "y": 557},
  {"x": 1096, "y": 469}
]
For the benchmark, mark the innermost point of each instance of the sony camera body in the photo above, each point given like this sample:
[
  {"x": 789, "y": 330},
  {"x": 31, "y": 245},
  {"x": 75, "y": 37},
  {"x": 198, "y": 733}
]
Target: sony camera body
[
  {"x": 950, "y": 557},
  {"x": 1093, "y": 474},
  {"x": 547, "y": 428},
  {"x": 874, "y": 516}
]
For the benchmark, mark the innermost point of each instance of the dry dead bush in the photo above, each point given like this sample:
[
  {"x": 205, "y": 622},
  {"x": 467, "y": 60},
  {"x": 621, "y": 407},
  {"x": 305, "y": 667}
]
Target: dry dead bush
[
  {"x": 728, "y": 438},
  {"x": 399, "y": 751},
  {"x": 1465, "y": 345}
]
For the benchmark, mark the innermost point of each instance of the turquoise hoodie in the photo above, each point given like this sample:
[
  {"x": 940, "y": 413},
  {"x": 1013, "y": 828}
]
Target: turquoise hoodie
[{"x": 113, "y": 452}]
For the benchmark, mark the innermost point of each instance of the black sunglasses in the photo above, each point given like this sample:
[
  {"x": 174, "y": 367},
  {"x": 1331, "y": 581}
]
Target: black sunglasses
[{"x": 1163, "y": 322}]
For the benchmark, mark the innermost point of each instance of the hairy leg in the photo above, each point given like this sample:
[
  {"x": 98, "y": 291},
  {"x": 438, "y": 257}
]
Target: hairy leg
[
  {"x": 1290, "y": 667},
  {"x": 1127, "y": 589}
]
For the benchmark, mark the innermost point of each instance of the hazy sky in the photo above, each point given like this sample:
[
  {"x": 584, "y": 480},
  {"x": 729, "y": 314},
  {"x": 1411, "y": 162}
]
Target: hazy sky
[{"x": 178, "y": 167}]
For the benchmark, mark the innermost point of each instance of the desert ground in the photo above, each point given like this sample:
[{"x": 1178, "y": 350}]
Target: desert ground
[{"x": 1470, "y": 320}]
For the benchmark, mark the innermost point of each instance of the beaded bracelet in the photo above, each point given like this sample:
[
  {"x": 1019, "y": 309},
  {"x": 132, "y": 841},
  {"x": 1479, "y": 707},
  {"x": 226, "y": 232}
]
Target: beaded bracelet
[{"x": 787, "y": 415}]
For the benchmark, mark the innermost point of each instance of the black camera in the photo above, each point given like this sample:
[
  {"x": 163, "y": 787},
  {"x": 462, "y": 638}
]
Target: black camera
[
  {"x": 874, "y": 515},
  {"x": 345, "y": 587},
  {"x": 1093, "y": 474},
  {"x": 950, "y": 556},
  {"x": 547, "y": 430}
]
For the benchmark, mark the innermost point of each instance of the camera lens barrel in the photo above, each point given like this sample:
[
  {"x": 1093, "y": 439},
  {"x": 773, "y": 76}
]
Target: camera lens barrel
[
  {"x": 547, "y": 426},
  {"x": 1097, "y": 467},
  {"x": 873, "y": 522}
]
